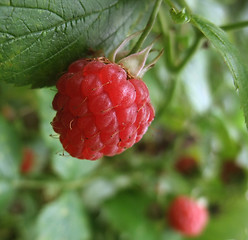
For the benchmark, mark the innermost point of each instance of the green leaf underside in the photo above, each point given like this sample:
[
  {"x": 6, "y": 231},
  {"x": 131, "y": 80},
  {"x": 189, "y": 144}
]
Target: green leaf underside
[
  {"x": 231, "y": 56},
  {"x": 39, "y": 39},
  {"x": 71, "y": 168},
  {"x": 63, "y": 219}
]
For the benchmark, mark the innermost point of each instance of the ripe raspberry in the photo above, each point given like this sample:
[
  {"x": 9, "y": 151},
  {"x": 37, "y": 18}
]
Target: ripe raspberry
[
  {"x": 231, "y": 172},
  {"x": 187, "y": 216},
  {"x": 27, "y": 160},
  {"x": 101, "y": 109},
  {"x": 186, "y": 165}
]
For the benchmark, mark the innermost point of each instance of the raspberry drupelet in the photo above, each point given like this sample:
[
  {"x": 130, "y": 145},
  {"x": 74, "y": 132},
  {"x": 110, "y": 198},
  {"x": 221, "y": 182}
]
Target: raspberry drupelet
[{"x": 101, "y": 109}]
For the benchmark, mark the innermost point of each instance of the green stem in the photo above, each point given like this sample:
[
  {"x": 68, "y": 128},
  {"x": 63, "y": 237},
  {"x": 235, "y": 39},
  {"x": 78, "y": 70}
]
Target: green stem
[
  {"x": 171, "y": 5},
  {"x": 169, "y": 96},
  {"x": 168, "y": 53},
  {"x": 235, "y": 26},
  {"x": 197, "y": 43},
  {"x": 38, "y": 184},
  {"x": 190, "y": 52},
  {"x": 33, "y": 184},
  {"x": 185, "y": 5},
  {"x": 177, "y": 69},
  {"x": 169, "y": 56},
  {"x": 148, "y": 27}
]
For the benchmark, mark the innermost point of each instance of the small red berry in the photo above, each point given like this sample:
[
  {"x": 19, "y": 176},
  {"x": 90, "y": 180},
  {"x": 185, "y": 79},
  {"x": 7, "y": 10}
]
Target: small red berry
[
  {"x": 27, "y": 160},
  {"x": 186, "y": 165},
  {"x": 187, "y": 216},
  {"x": 101, "y": 109},
  {"x": 231, "y": 172}
]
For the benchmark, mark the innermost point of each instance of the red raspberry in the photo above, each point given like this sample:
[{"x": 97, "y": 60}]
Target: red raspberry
[
  {"x": 186, "y": 165},
  {"x": 187, "y": 216},
  {"x": 27, "y": 160},
  {"x": 231, "y": 172},
  {"x": 101, "y": 109}
]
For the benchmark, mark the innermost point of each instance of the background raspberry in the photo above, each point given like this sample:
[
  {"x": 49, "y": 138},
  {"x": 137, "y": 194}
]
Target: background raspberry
[
  {"x": 186, "y": 165},
  {"x": 27, "y": 161},
  {"x": 101, "y": 110},
  {"x": 187, "y": 216}
]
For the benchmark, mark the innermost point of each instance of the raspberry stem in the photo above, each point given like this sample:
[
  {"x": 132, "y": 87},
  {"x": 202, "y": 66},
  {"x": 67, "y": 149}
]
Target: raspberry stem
[
  {"x": 189, "y": 54},
  {"x": 172, "y": 67},
  {"x": 185, "y": 5},
  {"x": 148, "y": 27},
  {"x": 169, "y": 96},
  {"x": 234, "y": 26},
  {"x": 38, "y": 184},
  {"x": 171, "y": 5}
]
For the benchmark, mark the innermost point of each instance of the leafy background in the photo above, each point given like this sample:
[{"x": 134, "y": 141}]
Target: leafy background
[{"x": 199, "y": 113}]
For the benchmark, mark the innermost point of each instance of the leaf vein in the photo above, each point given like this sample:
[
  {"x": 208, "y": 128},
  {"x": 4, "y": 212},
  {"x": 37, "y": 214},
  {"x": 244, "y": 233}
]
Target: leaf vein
[
  {"x": 35, "y": 8},
  {"x": 59, "y": 24},
  {"x": 47, "y": 59},
  {"x": 82, "y": 5},
  {"x": 118, "y": 28}
]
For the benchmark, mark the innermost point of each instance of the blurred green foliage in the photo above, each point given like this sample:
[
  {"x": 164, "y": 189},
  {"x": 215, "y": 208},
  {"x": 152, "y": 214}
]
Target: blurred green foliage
[{"x": 126, "y": 197}]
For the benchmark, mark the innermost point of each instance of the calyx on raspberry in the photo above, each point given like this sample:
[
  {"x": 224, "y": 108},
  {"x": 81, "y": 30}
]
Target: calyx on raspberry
[
  {"x": 187, "y": 216},
  {"x": 102, "y": 107}
]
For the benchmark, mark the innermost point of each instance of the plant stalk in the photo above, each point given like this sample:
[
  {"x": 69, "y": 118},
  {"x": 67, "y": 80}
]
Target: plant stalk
[
  {"x": 148, "y": 27},
  {"x": 234, "y": 26},
  {"x": 39, "y": 184}
]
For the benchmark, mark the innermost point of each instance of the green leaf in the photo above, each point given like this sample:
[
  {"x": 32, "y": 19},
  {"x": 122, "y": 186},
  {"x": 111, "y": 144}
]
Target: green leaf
[
  {"x": 194, "y": 78},
  {"x": 100, "y": 189},
  {"x": 7, "y": 194},
  {"x": 214, "y": 11},
  {"x": 45, "y": 97},
  {"x": 72, "y": 168},
  {"x": 230, "y": 222},
  {"x": 172, "y": 235},
  {"x": 231, "y": 56},
  {"x": 9, "y": 151},
  {"x": 63, "y": 219},
  {"x": 39, "y": 39},
  {"x": 127, "y": 212},
  {"x": 9, "y": 162}
]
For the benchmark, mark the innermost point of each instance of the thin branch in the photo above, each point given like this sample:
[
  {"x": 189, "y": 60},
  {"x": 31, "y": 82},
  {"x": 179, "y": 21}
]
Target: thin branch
[
  {"x": 148, "y": 27},
  {"x": 234, "y": 26}
]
